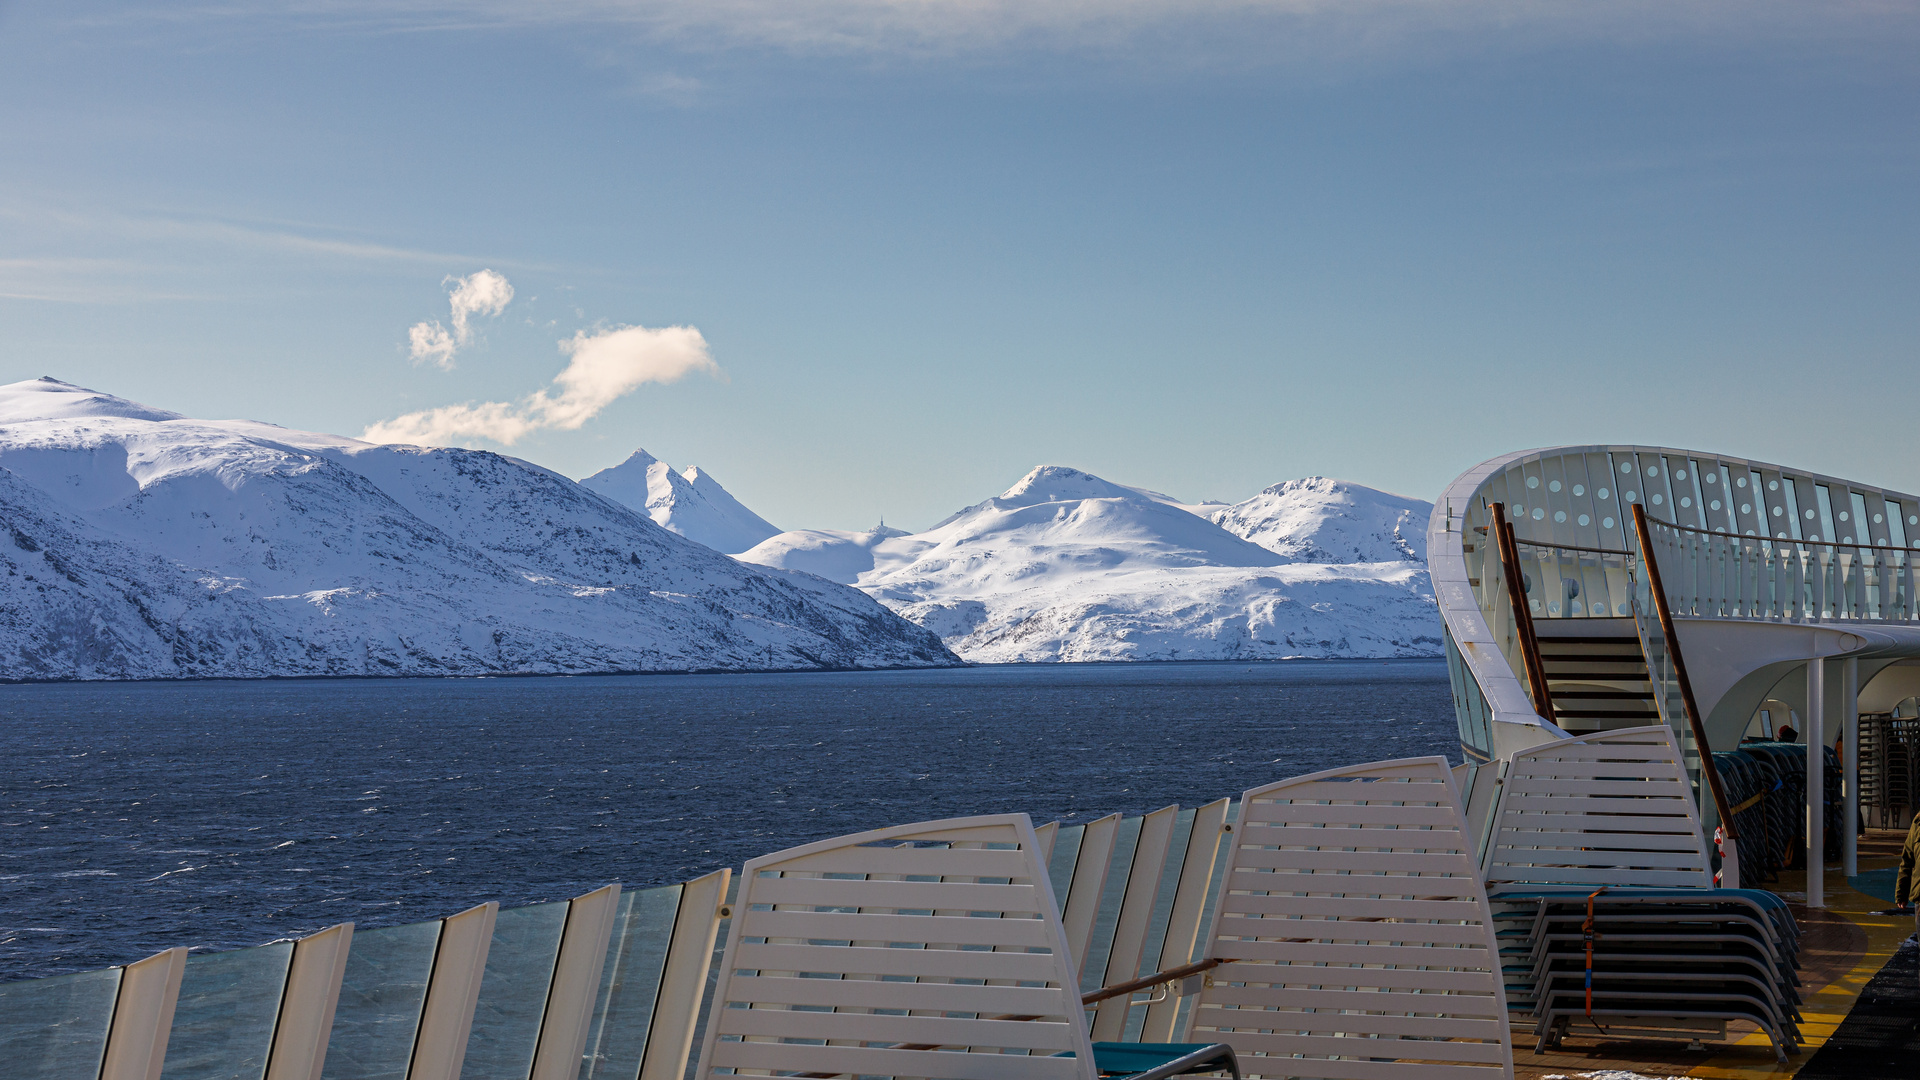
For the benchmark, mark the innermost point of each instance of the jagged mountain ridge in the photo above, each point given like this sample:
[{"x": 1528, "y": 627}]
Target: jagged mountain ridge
[
  {"x": 149, "y": 545},
  {"x": 691, "y": 503},
  {"x": 1067, "y": 566}
]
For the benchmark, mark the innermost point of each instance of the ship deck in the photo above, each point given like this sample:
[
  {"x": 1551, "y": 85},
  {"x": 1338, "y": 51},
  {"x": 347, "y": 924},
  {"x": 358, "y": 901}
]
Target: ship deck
[{"x": 1843, "y": 946}]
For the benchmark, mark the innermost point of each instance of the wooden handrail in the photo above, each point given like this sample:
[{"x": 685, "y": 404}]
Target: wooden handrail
[
  {"x": 1522, "y": 615},
  {"x": 1680, "y": 671}
]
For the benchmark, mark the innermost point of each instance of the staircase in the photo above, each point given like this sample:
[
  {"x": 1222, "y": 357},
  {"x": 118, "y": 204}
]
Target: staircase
[{"x": 1599, "y": 681}]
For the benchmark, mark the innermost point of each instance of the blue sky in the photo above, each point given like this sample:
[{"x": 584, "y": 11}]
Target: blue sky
[{"x": 1201, "y": 247}]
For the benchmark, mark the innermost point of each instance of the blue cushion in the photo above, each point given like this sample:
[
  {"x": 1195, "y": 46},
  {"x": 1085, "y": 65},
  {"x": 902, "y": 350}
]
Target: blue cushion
[{"x": 1124, "y": 1057}]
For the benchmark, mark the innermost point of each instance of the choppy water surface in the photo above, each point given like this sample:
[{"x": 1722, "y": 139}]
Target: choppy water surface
[{"x": 138, "y": 816}]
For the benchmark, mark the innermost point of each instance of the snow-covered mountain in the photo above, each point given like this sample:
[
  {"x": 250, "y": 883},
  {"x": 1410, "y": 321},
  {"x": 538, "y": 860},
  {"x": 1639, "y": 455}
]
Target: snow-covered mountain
[
  {"x": 149, "y": 545},
  {"x": 1320, "y": 520},
  {"x": 691, "y": 503},
  {"x": 1067, "y": 566}
]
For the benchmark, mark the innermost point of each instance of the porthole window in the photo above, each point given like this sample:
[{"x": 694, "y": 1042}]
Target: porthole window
[
  {"x": 1631, "y": 495},
  {"x": 1686, "y": 501},
  {"x": 1846, "y": 539},
  {"x": 1746, "y": 508},
  {"x": 1712, "y": 478},
  {"x": 1742, "y": 482},
  {"x": 1559, "y": 515},
  {"x": 1623, "y": 609},
  {"x": 1626, "y": 466},
  {"x": 1714, "y": 505},
  {"x": 1553, "y": 485},
  {"x": 1579, "y": 489},
  {"x": 1656, "y": 498},
  {"x": 1773, "y": 485},
  {"x": 1653, "y": 470},
  {"x": 1533, "y": 482},
  {"x": 1602, "y": 493},
  {"x": 1809, "y": 513},
  {"x": 1680, "y": 474},
  {"x": 1843, "y": 515},
  {"x": 1719, "y": 528},
  {"x": 1776, "y": 513},
  {"x": 1538, "y": 513},
  {"x": 1584, "y": 519},
  {"x": 1913, "y": 519},
  {"x": 1813, "y": 538},
  {"x": 1876, "y": 519},
  {"x": 1519, "y": 512},
  {"x": 1607, "y": 523}
]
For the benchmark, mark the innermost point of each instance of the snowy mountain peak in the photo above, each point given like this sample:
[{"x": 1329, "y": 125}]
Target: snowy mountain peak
[
  {"x": 48, "y": 398},
  {"x": 156, "y": 546},
  {"x": 691, "y": 503},
  {"x": 1057, "y": 483},
  {"x": 1319, "y": 519}
]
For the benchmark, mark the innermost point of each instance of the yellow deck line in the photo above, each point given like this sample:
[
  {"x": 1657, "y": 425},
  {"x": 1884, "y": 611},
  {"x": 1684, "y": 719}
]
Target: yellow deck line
[{"x": 1823, "y": 1010}]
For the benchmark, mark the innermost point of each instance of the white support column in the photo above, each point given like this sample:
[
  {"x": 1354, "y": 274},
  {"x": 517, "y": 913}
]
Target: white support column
[
  {"x": 1850, "y": 767},
  {"x": 683, "y": 980},
  {"x": 307, "y": 1005},
  {"x": 453, "y": 991},
  {"x": 1189, "y": 904},
  {"x": 1089, "y": 884},
  {"x": 576, "y": 982},
  {"x": 142, "y": 1017},
  {"x": 1815, "y": 738},
  {"x": 1136, "y": 910}
]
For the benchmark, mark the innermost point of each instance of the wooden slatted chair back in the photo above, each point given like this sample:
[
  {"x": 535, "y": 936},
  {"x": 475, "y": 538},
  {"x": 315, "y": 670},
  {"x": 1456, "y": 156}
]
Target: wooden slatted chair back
[
  {"x": 1615, "y": 808},
  {"x": 847, "y": 954},
  {"x": 1359, "y": 937}
]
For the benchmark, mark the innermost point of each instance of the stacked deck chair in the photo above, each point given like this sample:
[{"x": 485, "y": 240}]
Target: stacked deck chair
[
  {"x": 933, "y": 950},
  {"x": 1600, "y": 879},
  {"x": 1355, "y": 935}
]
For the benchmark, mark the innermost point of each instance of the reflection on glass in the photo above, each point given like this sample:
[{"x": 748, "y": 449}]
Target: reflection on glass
[
  {"x": 56, "y": 1029},
  {"x": 229, "y": 1004},
  {"x": 630, "y": 983},
  {"x": 380, "y": 1000},
  {"x": 513, "y": 992}
]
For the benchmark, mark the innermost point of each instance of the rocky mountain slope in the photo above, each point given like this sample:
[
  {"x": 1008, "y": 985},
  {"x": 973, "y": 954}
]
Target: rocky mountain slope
[
  {"x": 691, "y": 503},
  {"x": 1067, "y": 566},
  {"x": 144, "y": 544}
]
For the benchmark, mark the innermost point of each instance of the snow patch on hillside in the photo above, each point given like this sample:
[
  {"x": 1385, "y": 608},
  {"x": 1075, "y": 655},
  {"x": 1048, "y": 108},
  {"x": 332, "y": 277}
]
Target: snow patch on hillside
[{"x": 1320, "y": 520}]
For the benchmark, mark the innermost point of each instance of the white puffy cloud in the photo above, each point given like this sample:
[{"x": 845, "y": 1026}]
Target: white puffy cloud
[
  {"x": 605, "y": 366},
  {"x": 483, "y": 292}
]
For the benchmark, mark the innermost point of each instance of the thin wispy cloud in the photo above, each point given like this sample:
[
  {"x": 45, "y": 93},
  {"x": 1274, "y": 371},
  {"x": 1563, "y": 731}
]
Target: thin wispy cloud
[
  {"x": 604, "y": 366},
  {"x": 1279, "y": 29},
  {"x": 483, "y": 292}
]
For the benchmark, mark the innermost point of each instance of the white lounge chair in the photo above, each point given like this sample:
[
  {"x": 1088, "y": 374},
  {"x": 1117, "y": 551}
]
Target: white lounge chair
[
  {"x": 1358, "y": 939},
  {"x": 928, "y": 950}
]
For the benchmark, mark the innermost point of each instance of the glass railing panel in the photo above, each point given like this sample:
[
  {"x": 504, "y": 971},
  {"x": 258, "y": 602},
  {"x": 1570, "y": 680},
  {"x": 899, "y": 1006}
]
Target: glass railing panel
[
  {"x": 229, "y": 1004},
  {"x": 56, "y": 1028},
  {"x": 1066, "y": 853},
  {"x": 380, "y": 1000},
  {"x": 513, "y": 992},
  {"x": 630, "y": 983}
]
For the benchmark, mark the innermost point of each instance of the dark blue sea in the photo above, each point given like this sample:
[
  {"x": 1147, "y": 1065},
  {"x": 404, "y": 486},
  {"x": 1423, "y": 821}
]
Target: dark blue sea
[{"x": 138, "y": 816}]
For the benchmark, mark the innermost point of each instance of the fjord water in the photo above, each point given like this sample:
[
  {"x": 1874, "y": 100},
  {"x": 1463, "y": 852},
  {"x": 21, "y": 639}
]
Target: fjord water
[{"x": 138, "y": 816}]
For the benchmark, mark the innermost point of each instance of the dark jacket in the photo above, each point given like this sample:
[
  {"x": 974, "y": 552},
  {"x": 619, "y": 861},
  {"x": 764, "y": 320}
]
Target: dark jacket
[{"x": 1903, "y": 890}]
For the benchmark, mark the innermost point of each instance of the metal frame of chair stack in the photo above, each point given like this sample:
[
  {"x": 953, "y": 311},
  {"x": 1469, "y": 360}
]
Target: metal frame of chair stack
[{"x": 1600, "y": 835}]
